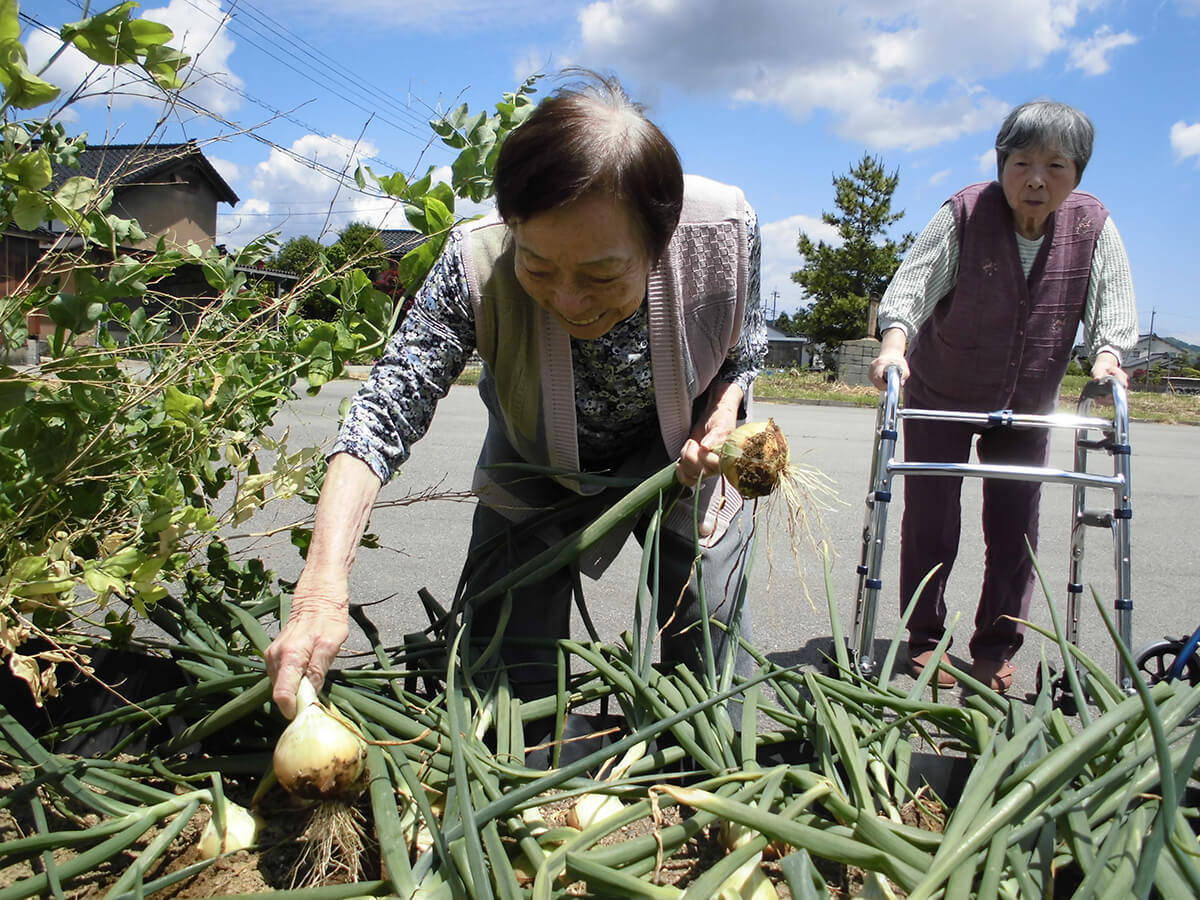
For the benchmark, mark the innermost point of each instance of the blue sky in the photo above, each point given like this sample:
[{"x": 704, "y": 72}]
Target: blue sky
[{"x": 777, "y": 96}]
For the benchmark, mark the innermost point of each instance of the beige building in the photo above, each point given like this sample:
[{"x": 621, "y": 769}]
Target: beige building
[{"x": 172, "y": 190}]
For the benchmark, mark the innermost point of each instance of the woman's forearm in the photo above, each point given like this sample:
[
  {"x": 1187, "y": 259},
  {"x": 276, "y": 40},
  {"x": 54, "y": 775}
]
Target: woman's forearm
[{"x": 343, "y": 512}]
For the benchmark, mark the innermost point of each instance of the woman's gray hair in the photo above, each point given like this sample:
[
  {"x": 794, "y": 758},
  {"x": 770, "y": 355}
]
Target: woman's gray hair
[
  {"x": 586, "y": 137},
  {"x": 1046, "y": 124}
]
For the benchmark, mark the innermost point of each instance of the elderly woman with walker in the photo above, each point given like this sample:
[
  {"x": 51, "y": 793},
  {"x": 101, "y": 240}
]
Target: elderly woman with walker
[{"x": 982, "y": 315}]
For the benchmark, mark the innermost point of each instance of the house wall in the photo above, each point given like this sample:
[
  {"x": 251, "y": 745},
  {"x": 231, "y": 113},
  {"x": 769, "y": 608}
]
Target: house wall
[
  {"x": 18, "y": 256},
  {"x": 787, "y": 355},
  {"x": 178, "y": 210}
]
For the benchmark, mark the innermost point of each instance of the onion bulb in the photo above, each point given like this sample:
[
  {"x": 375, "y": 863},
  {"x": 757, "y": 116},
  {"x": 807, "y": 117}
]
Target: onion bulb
[
  {"x": 318, "y": 756},
  {"x": 241, "y": 832},
  {"x": 595, "y": 807},
  {"x": 747, "y": 881},
  {"x": 755, "y": 458}
]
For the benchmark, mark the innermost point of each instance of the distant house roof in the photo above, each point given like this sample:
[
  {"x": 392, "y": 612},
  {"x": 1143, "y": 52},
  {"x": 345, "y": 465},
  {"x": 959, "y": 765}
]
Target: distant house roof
[
  {"x": 774, "y": 334},
  {"x": 398, "y": 241},
  {"x": 129, "y": 164}
]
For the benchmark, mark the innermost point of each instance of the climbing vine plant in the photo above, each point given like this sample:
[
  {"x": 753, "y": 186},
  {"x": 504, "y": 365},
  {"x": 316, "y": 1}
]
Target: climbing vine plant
[{"x": 125, "y": 453}]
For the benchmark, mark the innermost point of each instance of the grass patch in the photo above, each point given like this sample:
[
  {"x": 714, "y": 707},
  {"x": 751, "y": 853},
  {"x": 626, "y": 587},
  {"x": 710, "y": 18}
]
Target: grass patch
[{"x": 796, "y": 386}]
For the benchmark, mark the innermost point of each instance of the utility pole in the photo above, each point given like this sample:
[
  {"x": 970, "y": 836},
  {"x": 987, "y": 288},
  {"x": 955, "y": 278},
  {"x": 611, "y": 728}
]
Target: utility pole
[
  {"x": 774, "y": 303},
  {"x": 1150, "y": 342}
]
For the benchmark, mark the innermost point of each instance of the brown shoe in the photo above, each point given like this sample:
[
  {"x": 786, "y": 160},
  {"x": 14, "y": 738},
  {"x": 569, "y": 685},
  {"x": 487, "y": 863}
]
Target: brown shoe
[
  {"x": 918, "y": 663},
  {"x": 995, "y": 673}
]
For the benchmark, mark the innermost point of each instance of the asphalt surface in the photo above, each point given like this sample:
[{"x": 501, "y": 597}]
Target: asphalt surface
[{"x": 423, "y": 538}]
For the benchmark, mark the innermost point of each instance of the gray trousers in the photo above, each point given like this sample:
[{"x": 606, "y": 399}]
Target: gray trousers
[{"x": 541, "y": 612}]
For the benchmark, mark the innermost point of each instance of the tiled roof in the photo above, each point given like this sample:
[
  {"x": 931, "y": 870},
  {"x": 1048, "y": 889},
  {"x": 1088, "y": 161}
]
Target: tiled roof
[
  {"x": 123, "y": 164},
  {"x": 398, "y": 241}
]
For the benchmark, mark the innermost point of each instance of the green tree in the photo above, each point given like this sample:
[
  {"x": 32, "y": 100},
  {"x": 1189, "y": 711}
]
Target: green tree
[
  {"x": 358, "y": 245},
  {"x": 842, "y": 279},
  {"x": 300, "y": 255},
  {"x": 789, "y": 325}
]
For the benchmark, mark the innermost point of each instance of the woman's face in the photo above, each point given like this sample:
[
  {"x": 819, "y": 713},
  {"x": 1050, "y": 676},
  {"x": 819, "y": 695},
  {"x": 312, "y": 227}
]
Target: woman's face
[
  {"x": 584, "y": 262},
  {"x": 1036, "y": 181}
]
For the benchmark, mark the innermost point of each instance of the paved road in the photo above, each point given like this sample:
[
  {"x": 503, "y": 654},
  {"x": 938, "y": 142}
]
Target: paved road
[{"x": 424, "y": 542}]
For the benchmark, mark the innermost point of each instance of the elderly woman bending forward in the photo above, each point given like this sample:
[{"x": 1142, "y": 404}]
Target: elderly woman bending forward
[{"x": 615, "y": 305}]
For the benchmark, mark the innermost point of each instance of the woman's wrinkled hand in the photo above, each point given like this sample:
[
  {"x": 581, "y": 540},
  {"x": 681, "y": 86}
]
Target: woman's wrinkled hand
[
  {"x": 884, "y": 361},
  {"x": 701, "y": 454},
  {"x": 1108, "y": 364},
  {"x": 309, "y": 642}
]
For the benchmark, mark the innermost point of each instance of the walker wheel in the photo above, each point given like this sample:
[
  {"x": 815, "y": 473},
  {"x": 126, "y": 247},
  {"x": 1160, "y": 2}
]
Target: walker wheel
[
  {"x": 1156, "y": 660},
  {"x": 1061, "y": 696}
]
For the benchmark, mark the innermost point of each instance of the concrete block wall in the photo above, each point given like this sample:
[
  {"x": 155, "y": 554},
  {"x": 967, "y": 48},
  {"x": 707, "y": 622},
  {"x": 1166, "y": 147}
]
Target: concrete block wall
[{"x": 854, "y": 360}]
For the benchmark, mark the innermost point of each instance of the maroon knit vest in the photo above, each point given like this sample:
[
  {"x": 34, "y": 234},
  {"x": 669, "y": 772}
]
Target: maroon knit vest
[{"x": 997, "y": 340}]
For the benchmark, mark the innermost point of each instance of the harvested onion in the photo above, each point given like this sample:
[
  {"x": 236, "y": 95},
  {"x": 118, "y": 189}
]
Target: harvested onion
[
  {"x": 241, "y": 832},
  {"x": 318, "y": 756},
  {"x": 755, "y": 458}
]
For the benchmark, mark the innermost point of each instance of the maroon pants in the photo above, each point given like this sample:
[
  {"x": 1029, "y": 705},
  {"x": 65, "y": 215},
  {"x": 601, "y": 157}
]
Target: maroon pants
[{"x": 930, "y": 528}]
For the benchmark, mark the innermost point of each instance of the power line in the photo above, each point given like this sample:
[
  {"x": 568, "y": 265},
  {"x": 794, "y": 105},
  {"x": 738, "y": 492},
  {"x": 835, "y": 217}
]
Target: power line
[
  {"x": 292, "y": 214},
  {"x": 226, "y": 21},
  {"x": 182, "y": 100},
  {"x": 363, "y": 85}
]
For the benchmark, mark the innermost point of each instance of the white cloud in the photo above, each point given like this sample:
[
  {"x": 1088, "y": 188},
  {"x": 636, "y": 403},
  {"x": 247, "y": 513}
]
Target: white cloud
[
  {"x": 780, "y": 257},
  {"x": 891, "y": 77},
  {"x": 228, "y": 170},
  {"x": 199, "y": 31},
  {"x": 1188, "y": 7},
  {"x": 534, "y": 61},
  {"x": 1185, "y": 140},
  {"x": 295, "y": 191},
  {"x": 1092, "y": 56},
  {"x": 987, "y": 162},
  {"x": 938, "y": 177}
]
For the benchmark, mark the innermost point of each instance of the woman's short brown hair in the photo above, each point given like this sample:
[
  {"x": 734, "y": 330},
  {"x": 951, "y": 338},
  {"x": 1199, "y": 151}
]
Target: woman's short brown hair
[{"x": 586, "y": 137}]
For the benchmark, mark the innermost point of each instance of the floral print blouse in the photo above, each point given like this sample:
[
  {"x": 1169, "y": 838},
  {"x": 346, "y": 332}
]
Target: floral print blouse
[{"x": 614, "y": 387}]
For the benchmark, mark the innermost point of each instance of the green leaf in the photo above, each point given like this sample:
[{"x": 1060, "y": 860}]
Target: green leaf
[
  {"x": 416, "y": 264},
  {"x": 23, "y": 89},
  {"x": 437, "y": 216},
  {"x": 182, "y": 407},
  {"x": 10, "y": 23},
  {"x": 99, "y": 37},
  {"x": 29, "y": 212},
  {"x": 466, "y": 166},
  {"x": 77, "y": 192},
  {"x": 75, "y": 312},
  {"x": 163, "y": 64},
  {"x": 317, "y": 348},
  {"x": 147, "y": 34},
  {"x": 377, "y": 310},
  {"x": 392, "y": 185},
  {"x": 34, "y": 170},
  {"x": 13, "y": 394}
]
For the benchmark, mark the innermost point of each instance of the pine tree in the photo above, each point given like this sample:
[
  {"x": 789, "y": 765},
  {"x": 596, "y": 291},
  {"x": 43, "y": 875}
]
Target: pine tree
[{"x": 842, "y": 280}]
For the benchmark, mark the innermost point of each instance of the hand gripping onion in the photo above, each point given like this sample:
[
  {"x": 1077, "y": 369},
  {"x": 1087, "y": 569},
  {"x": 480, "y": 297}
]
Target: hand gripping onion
[{"x": 318, "y": 756}]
